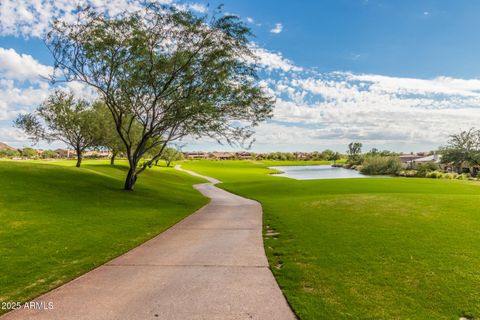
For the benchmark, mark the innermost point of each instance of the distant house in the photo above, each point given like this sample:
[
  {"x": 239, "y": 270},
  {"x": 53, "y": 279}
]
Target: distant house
[
  {"x": 301, "y": 155},
  {"x": 222, "y": 155},
  {"x": 434, "y": 158},
  {"x": 408, "y": 158},
  {"x": 196, "y": 155},
  {"x": 65, "y": 153},
  {"x": 243, "y": 155}
]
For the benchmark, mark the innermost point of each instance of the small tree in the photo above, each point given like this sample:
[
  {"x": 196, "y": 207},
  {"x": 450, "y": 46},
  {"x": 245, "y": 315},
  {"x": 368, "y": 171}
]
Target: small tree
[
  {"x": 9, "y": 153},
  {"x": 170, "y": 155},
  {"x": 326, "y": 154},
  {"x": 335, "y": 157},
  {"x": 29, "y": 153},
  {"x": 49, "y": 154},
  {"x": 354, "y": 152},
  {"x": 109, "y": 137},
  {"x": 170, "y": 73},
  {"x": 63, "y": 118}
]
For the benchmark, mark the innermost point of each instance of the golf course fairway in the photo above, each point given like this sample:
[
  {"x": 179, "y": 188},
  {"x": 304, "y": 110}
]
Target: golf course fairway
[{"x": 375, "y": 248}]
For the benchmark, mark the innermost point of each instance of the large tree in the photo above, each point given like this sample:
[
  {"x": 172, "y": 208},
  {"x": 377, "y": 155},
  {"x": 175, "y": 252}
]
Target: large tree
[
  {"x": 169, "y": 72},
  {"x": 62, "y": 117}
]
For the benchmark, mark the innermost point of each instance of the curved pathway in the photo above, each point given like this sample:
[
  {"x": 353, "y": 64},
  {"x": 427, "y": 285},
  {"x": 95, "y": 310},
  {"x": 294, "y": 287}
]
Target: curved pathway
[{"x": 211, "y": 265}]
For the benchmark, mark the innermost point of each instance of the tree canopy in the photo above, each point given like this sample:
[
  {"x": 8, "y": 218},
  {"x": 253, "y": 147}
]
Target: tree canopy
[
  {"x": 462, "y": 148},
  {"x": 62, "y": 117},
  {"x": 171, "y": 73},
  {"x": 354, "y": 152}
]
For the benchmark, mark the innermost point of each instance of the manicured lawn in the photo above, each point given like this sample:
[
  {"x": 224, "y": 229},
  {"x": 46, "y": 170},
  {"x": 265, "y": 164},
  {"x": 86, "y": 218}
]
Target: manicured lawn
[
  {"x": 394, "y": 248},
  {"x": 58, "y": 221}
]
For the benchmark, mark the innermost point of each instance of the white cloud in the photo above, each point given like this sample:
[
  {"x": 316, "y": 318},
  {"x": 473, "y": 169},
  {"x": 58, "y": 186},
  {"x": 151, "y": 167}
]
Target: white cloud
[
  {"x": 277, "y": 29},
  {"x": 340, "y": 107},
  {"x": 22, "y": 67},
  {"x": 198, "y": 7},
  {"x": 312, "y": 109},
  {"x": 14, "y": 137},
  {"x": 250, "y": 20},
  {"x": 273, "y": 60},
  {"x": 33, "y": 18}
]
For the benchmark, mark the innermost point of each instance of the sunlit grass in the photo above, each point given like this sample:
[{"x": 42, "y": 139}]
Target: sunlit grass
[
  {"x": 58, "y": 221},
  {"x": 373, "y": 248}
]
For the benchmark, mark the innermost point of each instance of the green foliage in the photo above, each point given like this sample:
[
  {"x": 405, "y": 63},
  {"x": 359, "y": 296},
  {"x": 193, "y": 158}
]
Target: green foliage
[
  {"x": 463, "y": 149},
  {"x": 170, "y": 155},
  {"x": 29, "y": 153},
  {"x": 424, "y": 168},
  {"x": 109, "y": 138},
  {"x": 408, "y": 173},
  {"x": 49, "y": 154},
  {"x": 377, "y": 164},
  {"x": 62, "y": 117},
  {"x": 284, "y": 156},
  {"x": 203, "y": 85},
  {"x": 383, "y": 153},
  {"x": 9, "y": 153},
  {"x": 335, "y": 157},
  {"x": 434, "y": 174},
  {"x": 354, "y": 153}
]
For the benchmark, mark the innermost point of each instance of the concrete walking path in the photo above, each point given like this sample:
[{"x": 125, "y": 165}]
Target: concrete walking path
[{"x": 211, "y": 265}]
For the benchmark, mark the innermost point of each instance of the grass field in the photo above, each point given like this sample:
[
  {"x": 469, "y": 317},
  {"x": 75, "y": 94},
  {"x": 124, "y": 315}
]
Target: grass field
[
  {"x": 375, "y": 248},
  {"x": 58, "y": 221}
]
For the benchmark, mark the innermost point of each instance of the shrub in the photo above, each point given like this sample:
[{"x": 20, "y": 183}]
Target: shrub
[
  {"x": 29, "y": 153},
  {"x": 377, "y": 164},
  {"x": 408, "y": 173},
  {"x": 450, "y": 175},
  {"x": 423, "y": 169},
  {"x": 9, "y": 153},
  {"x": 434, "y": 174},
  {"x": 463, "y": 176},
  {"x": 49, "y": 154}
]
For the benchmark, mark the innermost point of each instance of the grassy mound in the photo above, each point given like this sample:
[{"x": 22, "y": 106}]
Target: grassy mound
[{"x": 59, "y": 221}]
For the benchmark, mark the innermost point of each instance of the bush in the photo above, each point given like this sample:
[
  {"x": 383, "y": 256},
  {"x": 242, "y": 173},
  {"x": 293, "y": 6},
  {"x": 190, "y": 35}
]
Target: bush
[
  {"x": 29, "y": 153},
  {"x": 450, "y": 175},
  {"x": 408, "y": 173},
  {"x": 9, "y": 153},
  {"x": 434, "y": 174},
  {"x": 377, "y": 164},
  {"x": 49, "y": 154},
  {"x": 423, "y": 169},
  {"x": 463, "y": 176}
]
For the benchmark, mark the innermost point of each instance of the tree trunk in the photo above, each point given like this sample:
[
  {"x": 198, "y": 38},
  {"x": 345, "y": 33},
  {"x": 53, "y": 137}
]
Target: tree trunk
[
  {"x": 156, "y": 162},
  {"x": 112, "y": 158},
  {"x": 168, "y": 163},
  {"x": 131, "y": 179},
  {"x": 79, "y": 158}
]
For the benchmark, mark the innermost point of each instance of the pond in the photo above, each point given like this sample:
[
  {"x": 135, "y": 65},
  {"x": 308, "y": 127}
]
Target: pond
[{"x": 317, "y": 172}]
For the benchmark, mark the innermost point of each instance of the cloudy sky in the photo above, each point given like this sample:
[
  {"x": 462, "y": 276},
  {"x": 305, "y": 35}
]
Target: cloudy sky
[{"x": 399, "y": 75}]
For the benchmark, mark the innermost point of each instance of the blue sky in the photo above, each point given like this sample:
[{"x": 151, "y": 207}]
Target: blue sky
[
  {"x": 401, "y": 75},
  {"x": 408, "y": 38}
]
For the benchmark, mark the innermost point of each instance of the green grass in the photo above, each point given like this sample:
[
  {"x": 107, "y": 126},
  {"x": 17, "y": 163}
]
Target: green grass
[
  {"x": 58, "y": 221},
  {"x": 393, "y": 248}
]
